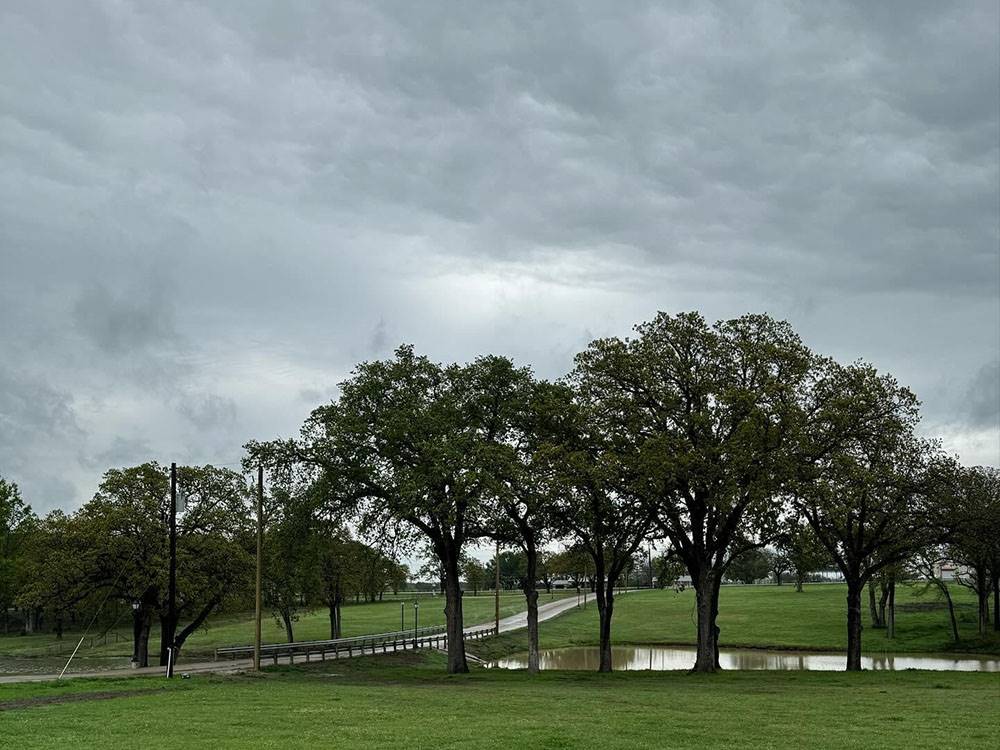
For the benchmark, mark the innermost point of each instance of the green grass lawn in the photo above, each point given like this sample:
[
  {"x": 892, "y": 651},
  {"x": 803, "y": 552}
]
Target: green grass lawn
[
  {"x": 407, "y": 701},
  {"x": 36, "y": 653},
  {"x": 764, "y": 616}
]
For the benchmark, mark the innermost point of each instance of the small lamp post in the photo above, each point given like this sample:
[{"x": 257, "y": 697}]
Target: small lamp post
[
  {"x": 402, "y": 616},
  {"x": 416, "y": 612}
]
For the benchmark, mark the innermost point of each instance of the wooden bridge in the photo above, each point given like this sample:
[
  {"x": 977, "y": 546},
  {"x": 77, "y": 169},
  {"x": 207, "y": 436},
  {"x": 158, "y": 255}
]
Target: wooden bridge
[{"x": 338, "y": 648}]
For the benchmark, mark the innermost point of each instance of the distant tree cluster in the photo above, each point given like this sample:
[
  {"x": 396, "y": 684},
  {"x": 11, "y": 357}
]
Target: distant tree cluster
[
  {"x": 112, "y": 556},
  {"x": 748, "y": 454}
]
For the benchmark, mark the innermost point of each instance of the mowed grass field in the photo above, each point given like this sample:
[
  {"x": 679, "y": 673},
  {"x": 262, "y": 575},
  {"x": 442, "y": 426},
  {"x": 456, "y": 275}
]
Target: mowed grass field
[
  {"x": 36, "y": 653},
  {"x": 765, "y": 617},
  {"x": 406, "y": 701},
  {"x": 750, "y": 616}
]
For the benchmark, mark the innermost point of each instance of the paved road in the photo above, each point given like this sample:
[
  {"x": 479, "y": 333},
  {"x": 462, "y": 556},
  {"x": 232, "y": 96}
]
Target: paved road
[
  {"x": 545, "y": 612},
  {"x": 507, "y": 624}
]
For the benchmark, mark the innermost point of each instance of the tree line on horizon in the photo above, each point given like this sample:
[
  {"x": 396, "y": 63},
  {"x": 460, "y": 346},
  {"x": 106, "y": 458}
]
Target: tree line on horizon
[{"x": 723, "y": 441}]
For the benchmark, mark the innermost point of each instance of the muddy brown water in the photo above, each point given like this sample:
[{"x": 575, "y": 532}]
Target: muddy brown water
[{"x": 662, "y": 658}]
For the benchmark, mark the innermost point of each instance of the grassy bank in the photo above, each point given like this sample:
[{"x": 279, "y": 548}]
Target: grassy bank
[
  {"x": 765, "y": 616},
  {"x": 406, "y": 701}
]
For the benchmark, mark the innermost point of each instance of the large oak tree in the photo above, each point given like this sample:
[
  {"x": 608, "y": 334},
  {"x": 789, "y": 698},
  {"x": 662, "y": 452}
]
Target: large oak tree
[
  {"x": 127, "y": 522},
  {"x": 709, "y": 414},
  {"x": 591, "y": 503},
  {"x": 865, "y": 479},
  {"x": 410, "y": 444}
]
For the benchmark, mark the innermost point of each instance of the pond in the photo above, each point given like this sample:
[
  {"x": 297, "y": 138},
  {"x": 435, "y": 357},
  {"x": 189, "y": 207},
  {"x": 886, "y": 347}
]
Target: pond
[{"x": 661, "y": 658}]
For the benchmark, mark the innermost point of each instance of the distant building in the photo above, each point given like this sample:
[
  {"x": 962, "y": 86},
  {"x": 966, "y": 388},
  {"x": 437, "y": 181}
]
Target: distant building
[{"x": 948, "y": 570}]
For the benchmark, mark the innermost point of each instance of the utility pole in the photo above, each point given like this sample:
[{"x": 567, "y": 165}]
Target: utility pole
[
  {"x": 260, "y": 569},
  {"x": 172, "y": 593},
  {"x": 496, "y": 596}
]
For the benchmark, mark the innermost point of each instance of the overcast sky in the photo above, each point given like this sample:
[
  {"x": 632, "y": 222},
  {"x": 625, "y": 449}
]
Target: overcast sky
[{"x": 209, "y": 213}]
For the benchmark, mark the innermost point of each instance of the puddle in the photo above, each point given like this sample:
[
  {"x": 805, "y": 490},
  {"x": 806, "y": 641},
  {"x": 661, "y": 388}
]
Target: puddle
[{"x": 662, "y": 658}]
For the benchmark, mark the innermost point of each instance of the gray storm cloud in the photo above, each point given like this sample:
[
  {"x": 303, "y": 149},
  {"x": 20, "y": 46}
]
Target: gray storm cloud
[{"x": 209, "y": 212}]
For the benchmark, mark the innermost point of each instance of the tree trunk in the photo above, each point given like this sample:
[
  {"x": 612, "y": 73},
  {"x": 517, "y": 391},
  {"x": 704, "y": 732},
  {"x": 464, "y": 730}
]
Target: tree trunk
[
  {"x": 141, "y": 646},
  {"x": 531, "y": 599},
  {"x": 706, "y": 592},
  {"x": 996, "y": 596},
  {"x": 854, "y": 586},
  {"x": 882, "y": 602},
  {"x": 983, "y": 598},
  {"x": 890, "y": 622},
  {"x": 715, "y": 617},
  {"x": 286, "y": 618},
  {"x": 453, "y": 612},
  {"x": 873, "y": 605},
  {"x": 32, "y": 619},
  {"x": 951, "y": 609},
  {"x": 799, "y": 580},
  {"x": 605, "y": 611}
]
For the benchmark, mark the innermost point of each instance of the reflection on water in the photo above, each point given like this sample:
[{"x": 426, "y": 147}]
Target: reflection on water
[{"x": 661, "y": 658}]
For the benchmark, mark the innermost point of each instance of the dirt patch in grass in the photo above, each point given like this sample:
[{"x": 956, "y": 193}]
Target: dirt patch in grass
[{"x": 45, "y": 700}]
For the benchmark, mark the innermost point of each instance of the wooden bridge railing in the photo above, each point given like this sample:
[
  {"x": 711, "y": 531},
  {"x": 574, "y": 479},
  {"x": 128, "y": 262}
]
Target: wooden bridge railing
[{"x": 430, "y": 637}]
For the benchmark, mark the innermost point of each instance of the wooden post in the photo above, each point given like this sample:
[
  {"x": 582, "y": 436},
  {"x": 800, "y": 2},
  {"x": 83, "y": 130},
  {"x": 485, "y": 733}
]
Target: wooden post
[
  {"x": 172, "y": 581},
  {"x": 260, "y": 569}
]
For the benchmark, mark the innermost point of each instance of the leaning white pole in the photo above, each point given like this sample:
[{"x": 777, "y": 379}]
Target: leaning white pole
[{"x": 79, "y": 643}]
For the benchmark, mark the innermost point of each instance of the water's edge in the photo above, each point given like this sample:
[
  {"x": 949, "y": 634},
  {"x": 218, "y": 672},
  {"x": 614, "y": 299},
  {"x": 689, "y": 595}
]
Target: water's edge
[{"x": 662, "y": 658}]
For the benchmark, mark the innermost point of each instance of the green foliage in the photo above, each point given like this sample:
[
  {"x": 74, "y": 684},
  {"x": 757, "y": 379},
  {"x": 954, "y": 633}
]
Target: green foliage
[
  {"x": 59, "y": 568},
  {"x": 972, "y": 519},
  {"x": 706, "y": 414},
  {"x": 591, "y": 499},
  {"x": 749, "y": 566},
  {"x": 513, "y": 567},
  {"x": 474, "y": 573},
  {"x": 667, "y": 569},
  {"x": 17, "y": 523},
  {"x": 572, "y": 562},
  {"x": 864, "y": 484},
  {"x": 117, "y": 545},
  {"x": 404, "y": 443},
  {"x": 803, "y": 549}
]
